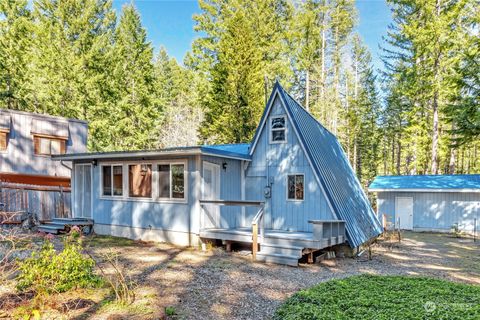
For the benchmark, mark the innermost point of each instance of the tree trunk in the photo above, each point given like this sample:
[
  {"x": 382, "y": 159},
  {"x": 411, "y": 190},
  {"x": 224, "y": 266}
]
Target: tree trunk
[
  {"x": 399, "y": 152},
  {"x": 451, "y": 165},
  {"x": 307, "y": 90},
  {"x": 435, "y": 133}
]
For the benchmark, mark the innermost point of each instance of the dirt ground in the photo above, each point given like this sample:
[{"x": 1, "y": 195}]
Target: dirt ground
[{"x": 217, "y": 285}]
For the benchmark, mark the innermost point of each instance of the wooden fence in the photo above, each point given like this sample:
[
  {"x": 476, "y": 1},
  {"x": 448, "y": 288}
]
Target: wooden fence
[{"x": 46, "y": 202}]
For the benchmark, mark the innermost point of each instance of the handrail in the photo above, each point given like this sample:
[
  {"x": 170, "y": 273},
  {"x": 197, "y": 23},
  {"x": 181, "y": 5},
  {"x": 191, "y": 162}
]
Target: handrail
[
  {"x": 257, "y": 220},
  {"x": 233, "y": 202}
]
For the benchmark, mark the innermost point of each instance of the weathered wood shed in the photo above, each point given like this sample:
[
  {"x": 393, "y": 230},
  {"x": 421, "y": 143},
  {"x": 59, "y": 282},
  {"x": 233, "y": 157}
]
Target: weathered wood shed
[{"x": 429, "y": 202}]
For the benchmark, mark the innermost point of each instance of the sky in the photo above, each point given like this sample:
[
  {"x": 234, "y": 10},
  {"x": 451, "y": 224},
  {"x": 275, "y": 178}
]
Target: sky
[{"x": 169, "y": 24}]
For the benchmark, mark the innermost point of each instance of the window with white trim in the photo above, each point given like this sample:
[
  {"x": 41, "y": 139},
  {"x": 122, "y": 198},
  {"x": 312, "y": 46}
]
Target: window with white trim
[
  {"x": 112, "y": 180},
  {"x": 295, "y": 187},
  {"x": 140, "y": 180},
  {"x": 278, "y": 132},
  {"x": 171, "y": 181}
]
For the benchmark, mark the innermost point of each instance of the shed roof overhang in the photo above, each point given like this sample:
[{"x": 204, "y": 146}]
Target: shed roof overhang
[
  {"x": 457, "y": 190},
  {"x": 149, "y": 154}
]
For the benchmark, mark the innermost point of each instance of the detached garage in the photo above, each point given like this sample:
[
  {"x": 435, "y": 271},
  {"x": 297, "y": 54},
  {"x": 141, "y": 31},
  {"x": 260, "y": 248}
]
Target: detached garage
[{"x": 428, "y": 202}]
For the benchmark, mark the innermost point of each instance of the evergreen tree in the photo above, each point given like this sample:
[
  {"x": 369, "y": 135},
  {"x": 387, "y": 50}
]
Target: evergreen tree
[
  {"x": 177, "y": 94},
  {"x": 243, "y": 43},
  {"x": 134, "y": 113},
  {"x": 235, "y": 101},
  {"x": 15, "y": 37}
]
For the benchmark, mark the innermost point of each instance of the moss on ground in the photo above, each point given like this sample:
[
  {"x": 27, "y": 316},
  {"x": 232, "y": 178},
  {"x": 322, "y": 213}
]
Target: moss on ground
[{"x": 384, "y": 297}]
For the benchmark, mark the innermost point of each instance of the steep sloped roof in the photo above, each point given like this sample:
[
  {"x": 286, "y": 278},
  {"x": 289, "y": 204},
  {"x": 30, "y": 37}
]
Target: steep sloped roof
[
  {"x": 451, "y": 183},
  {"x": 333, "y": 170}
]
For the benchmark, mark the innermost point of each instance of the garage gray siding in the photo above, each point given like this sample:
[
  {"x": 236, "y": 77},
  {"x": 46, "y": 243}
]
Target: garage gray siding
[{"x": 435, "y": 210}]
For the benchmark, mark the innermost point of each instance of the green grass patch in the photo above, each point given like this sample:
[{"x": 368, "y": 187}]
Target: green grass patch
[
  {"x": 384, "y": 297},
  {"x": 109, "y": 241}
]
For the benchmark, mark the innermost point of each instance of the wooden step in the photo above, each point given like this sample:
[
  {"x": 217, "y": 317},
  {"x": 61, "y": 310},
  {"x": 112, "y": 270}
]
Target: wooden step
[
  {"x": 278, "y": 258},
  {"x": 287, "y": 250},
  {"x": 48, "y": 229}
]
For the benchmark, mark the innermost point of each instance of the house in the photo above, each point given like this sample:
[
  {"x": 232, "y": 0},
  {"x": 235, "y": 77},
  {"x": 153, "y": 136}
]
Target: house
[
  {"x": 291, "y": 189},
  {"x": 27, "y": 141},
  {"x": 429, "y": 202}
]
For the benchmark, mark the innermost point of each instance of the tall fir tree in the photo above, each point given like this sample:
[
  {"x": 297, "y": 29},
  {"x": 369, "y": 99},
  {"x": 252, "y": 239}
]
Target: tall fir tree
[
  {"x": 134, "y": 111},
  {"x": 177, "y": 94},
  {"x": 15, "y": 43}
]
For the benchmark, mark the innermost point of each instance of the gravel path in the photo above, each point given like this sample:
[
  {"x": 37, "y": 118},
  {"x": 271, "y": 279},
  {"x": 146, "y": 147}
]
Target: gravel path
[{"x": 218, "y": 285}]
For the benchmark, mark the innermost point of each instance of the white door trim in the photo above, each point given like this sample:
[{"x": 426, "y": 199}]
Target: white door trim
[
  {"x": 406, "y": 225},
  {"x": 74, "y": 183}
]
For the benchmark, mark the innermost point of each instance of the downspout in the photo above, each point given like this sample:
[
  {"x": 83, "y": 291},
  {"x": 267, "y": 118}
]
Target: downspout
[{"x": 66, "y": 166}]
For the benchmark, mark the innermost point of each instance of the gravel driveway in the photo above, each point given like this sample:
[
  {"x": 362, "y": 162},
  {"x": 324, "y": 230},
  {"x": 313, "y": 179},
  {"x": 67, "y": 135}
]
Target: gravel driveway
[{"x": 219, "y": 285}]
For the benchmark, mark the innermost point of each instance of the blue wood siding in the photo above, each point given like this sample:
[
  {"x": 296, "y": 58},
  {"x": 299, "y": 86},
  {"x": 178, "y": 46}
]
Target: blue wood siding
[
  {"x": 278, "y": 161},
  {"x": 147, "y": 214},
  {"x": 435, "y": 210},
  {"x": 19, "y": 156}
]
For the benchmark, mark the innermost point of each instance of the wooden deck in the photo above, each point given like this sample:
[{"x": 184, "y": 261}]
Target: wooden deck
[{"x": 278, "y": 237}]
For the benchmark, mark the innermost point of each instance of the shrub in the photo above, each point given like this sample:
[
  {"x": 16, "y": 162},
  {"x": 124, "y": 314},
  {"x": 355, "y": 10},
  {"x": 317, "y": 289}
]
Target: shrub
[
  {"x": 384, "y": 297},
  {"x": 47, "y": 272}
]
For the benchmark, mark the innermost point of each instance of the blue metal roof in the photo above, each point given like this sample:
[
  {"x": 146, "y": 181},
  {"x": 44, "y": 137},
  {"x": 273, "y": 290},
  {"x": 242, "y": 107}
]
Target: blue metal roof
[
  {"x": 430, "y": 182},
  {"x": 333, "y": 169},
  {"x": 240, "y": 150}
]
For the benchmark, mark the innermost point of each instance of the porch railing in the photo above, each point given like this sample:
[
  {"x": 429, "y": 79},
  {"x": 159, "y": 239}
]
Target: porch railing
[{"x": 258, "y": 221}]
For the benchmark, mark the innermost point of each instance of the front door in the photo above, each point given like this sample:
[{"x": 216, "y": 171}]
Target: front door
[
  {"x": 83, "y": 191},
  {"x": 404, "y": 212},
  {"x": 211, "y": 191}
]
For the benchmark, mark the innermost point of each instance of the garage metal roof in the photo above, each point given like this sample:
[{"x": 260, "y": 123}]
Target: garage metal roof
[{"x": 427, "y": 183}]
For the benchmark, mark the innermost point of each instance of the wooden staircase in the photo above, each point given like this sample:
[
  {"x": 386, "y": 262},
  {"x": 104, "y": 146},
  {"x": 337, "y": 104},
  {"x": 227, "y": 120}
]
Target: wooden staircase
[
  {"x": 63, "y": 225},
  {"x": 279, "y": 253}
]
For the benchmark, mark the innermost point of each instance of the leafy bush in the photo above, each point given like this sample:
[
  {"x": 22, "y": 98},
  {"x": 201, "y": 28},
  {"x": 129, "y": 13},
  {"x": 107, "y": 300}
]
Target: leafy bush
[
  {"x": 384, "y": 297},
  {"x": 47, "y": 271}
]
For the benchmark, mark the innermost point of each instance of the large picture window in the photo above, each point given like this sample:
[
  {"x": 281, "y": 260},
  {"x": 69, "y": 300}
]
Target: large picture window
[
  {"x": 295, "y": 187},
  {"x": 112, "y": 180},
  {"x": 140, "y": 180},
  {"x": 171, "y": 181},
  {"x": 278, "y": 130},
  {"x": 48, "y": 146}
]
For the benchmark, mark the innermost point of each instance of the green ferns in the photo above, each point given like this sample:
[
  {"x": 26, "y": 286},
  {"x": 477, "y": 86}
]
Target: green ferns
[
  {"x": 47, "y": 271},
  {"x": 384, "y": 297}
]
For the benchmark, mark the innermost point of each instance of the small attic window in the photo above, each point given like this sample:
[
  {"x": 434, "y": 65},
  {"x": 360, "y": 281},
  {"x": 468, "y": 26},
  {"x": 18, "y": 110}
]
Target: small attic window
[{"x": 278, "y": 130}]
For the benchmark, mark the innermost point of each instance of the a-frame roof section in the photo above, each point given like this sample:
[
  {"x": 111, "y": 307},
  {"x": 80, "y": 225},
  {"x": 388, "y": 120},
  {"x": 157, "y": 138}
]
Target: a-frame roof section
[{"x": 332, "y": 168}]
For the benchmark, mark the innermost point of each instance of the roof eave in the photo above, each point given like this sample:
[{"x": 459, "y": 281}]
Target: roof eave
[{"x": 149, "y": 154}]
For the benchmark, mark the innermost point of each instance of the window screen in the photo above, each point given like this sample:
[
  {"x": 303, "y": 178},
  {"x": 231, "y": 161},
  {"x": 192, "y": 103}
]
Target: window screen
[
  {"x": 140, "y": 180},
  {"x": 107, "y": 180},
  {"x": 164, "y": 180}
]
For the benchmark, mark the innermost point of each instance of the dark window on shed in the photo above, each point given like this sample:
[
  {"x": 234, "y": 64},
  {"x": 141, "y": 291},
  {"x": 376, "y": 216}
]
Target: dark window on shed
[
  {"x": 48, "y": 146},
  {"x": 3, "y": 141}
]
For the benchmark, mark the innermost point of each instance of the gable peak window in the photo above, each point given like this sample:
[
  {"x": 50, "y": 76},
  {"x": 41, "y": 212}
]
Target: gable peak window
[
  {"x": 278, "y": 127},
  {"x": 295, "y": 187}
]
